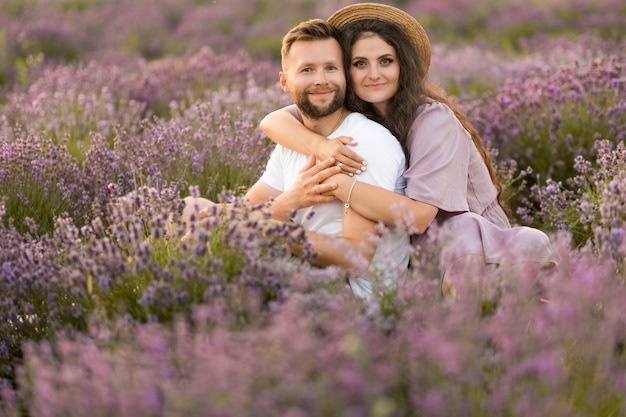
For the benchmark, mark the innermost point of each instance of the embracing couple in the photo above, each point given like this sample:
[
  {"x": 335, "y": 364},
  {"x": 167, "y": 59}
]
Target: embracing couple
[{"x": 368, "y": 141}]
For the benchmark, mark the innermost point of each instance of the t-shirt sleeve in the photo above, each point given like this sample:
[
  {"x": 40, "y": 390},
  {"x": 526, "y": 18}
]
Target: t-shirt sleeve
[
  {"x": 293, "y": 109},
  {"x": 273, "y": 174},
  {"x": 439, "y": 148}
]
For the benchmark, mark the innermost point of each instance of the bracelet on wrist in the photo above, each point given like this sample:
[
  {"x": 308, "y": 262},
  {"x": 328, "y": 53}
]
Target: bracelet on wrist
[{"x": 346, "y": 206}]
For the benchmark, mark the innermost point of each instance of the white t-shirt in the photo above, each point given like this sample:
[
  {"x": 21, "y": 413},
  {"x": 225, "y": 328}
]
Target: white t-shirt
[{"x": 386, "y": 165}]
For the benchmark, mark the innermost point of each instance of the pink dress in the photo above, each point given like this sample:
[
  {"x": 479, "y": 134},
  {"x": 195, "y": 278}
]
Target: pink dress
[{"x": 447, "y": 171}]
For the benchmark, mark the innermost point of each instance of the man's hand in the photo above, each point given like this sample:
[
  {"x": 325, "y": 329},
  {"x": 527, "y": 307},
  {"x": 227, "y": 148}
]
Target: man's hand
[{"x": 307, "y": 190}]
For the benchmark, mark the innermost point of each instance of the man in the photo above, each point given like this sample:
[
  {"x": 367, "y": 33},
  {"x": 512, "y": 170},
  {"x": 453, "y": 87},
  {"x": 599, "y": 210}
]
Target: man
[{"x": 312, "y": 73}]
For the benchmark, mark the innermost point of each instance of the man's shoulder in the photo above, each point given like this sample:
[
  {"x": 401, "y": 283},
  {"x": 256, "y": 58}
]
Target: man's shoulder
[
  {"x": 359, "y": 119},
  {"x": 374, "y": 141},
  {"x": 360, "y": 123},
  {"x": 283, "y": 153}
]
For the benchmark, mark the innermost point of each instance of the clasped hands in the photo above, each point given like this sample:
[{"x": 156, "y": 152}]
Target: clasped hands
[{"x": 316, "y": 182}]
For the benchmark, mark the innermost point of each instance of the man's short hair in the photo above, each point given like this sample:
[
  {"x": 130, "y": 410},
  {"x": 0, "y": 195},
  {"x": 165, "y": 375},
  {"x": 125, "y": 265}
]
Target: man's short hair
[{"x": 310, "y": 30}]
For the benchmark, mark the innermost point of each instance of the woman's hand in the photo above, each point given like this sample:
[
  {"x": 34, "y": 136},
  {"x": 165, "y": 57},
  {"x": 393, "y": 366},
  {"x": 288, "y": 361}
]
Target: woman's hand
[
  {"x": 337, "y": 148},
  {"x": 307, "y": 189}
]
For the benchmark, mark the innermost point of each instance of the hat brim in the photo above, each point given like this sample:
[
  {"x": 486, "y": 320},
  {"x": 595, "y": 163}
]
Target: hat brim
[{"x": 409, "y": 26}]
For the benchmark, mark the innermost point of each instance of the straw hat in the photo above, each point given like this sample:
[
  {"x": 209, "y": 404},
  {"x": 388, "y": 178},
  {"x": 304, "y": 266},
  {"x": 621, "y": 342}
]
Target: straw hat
[{"x": 409, "y": 26}]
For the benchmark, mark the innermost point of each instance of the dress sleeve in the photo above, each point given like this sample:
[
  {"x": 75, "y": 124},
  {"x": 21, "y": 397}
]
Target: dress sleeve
[{"x": 439, "y": 149}]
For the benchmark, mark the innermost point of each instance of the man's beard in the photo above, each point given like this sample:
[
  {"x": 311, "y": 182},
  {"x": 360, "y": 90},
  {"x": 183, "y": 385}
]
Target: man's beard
[{"x": 312, "y": 111}]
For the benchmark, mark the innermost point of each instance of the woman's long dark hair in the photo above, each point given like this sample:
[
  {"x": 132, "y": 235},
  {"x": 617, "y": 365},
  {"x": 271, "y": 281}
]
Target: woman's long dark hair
[{"x": 413, "y": 88}]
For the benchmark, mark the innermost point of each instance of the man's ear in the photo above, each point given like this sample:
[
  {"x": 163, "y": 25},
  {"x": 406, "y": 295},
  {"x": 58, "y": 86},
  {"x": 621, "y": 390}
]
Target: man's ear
[{"x": 283, "y": 81}]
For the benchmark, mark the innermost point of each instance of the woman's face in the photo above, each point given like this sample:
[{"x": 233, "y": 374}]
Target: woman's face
[{"x": 375, "y": 71}]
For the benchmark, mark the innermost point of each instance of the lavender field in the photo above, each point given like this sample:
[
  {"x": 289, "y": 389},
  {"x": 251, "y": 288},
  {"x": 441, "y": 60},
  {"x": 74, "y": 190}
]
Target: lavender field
[{"x": 113, "y": 111}]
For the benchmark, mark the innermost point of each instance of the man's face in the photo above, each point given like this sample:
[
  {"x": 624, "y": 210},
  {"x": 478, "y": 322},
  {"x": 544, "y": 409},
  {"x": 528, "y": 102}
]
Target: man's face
[{"x": 313, "y": 75}]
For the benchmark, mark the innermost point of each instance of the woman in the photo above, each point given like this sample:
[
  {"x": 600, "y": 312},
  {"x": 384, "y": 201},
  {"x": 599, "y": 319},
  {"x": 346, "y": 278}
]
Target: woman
[{"x": 450, "y": 179}]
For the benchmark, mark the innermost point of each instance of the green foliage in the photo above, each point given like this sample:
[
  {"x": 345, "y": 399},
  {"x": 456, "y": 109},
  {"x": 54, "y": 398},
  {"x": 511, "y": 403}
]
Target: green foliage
[
  {"x": 471, "y": 88},
  {"x": 17, "y": 8},
  {"x": 76, "y": 6},
  {"x": 51, "y": 46},
  {"x": 4, "y": 62},
  {"x": 32, "y": 201},
  {"x": 269, "y": 42},
  {"x": 149, "y": 44}
]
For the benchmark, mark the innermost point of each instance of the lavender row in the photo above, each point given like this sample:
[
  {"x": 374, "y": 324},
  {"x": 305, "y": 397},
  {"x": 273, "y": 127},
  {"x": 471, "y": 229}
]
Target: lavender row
[
  {"x": 506, "y": 344},
  {"x": 104, "y": 311},
  {"x": 175, "y": 122},
  {"x": 79, "y": 30},
  {"x": 542, "y": 121}
]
